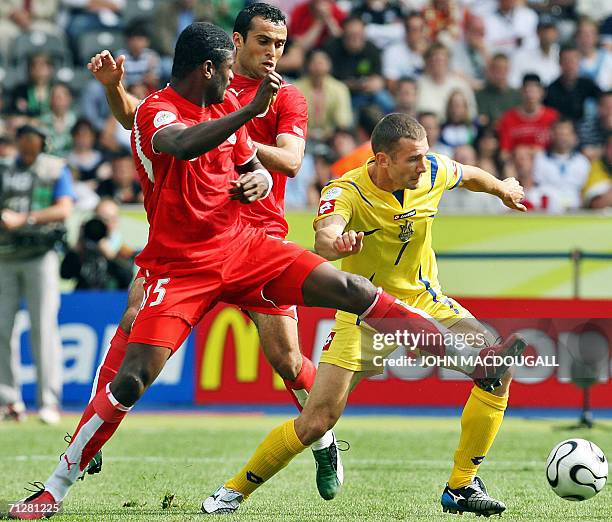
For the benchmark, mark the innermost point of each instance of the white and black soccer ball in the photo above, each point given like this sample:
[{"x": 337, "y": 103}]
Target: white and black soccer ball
[{"x": 576, "y": 469}]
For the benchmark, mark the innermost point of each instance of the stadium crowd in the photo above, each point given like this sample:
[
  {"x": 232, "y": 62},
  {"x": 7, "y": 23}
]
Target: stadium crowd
[{"x": 520, "y": 88}]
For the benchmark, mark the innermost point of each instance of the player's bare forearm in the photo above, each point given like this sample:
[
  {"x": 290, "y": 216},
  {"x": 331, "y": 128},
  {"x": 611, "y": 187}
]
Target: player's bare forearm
[
  {"x": 285, "y": 158},
  {"x": 478, "y": 180},
  {"x": 122, "y": 104},
  {"x": 509, "y": 190},
  {"x": 187, "y": 143},
  {"x": 332, "y": 242}
]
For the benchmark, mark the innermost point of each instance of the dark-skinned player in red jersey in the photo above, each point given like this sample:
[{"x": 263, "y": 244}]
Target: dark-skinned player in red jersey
[
  {"x": 260, "y": 34},
  {"x": 188, "y": 147}
]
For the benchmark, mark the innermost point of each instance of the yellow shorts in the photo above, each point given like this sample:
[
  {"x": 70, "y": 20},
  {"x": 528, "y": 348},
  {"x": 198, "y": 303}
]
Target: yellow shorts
[{"x": 351, "y": 345}]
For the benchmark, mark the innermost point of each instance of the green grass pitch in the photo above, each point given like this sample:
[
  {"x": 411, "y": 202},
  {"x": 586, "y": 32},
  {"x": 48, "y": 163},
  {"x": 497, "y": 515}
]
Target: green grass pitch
[{"x": 395, "y": 470}]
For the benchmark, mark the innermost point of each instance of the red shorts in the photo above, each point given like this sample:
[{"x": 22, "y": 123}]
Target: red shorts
[{"x": 262, "y": 273}]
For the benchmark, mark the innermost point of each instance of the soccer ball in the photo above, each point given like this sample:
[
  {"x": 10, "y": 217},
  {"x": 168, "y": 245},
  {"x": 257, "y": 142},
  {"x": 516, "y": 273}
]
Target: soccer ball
[{"x": 576, "y": 469}]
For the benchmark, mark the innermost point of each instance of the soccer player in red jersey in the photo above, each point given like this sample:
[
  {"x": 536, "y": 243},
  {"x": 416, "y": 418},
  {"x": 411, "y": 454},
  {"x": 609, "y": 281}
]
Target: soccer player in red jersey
[
  {"x": 279, "y": 132},
  {"x": 200, "y": 252}
]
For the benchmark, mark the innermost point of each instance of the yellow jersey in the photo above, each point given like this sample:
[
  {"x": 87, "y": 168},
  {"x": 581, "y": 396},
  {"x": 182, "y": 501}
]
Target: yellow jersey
[{"x": 397, "y": 252}]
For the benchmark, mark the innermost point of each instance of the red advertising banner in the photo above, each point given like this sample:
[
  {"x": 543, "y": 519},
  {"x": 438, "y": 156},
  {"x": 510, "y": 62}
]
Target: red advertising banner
[{"x": 231, "y": 369}]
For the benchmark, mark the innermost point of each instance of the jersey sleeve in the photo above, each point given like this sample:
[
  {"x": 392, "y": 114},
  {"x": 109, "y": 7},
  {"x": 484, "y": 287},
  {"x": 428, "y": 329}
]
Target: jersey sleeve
[
  {"x": 153, "y": 115},
  {"x": 335, "y": 200},
  {"x": 292, "y": 113},
  {"x": 244, "y": 150},
  {"x": 453, "y": 172}
]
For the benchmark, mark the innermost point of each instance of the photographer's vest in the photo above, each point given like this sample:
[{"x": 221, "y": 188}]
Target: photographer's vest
[{"x": 24, "y": 189}]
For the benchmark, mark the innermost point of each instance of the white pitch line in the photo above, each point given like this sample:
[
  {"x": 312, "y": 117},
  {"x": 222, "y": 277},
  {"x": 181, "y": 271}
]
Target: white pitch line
[{"x": 223, "y": 460}]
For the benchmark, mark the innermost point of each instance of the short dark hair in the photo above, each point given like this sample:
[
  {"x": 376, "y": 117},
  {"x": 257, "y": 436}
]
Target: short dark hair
[
  {"x": 268, "y": 12},
  {"x": 531, "y": 78},
  {"x": 392, "y": 128},
  {"x": 199, "y": 42},
  {"x": 567, "y": 48},
  {"x": 138, "y": 27}
]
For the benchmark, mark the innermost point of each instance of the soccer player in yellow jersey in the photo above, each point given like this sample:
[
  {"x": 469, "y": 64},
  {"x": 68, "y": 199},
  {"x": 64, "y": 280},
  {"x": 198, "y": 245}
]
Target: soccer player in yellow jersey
[{"x": 378, "y": 220}]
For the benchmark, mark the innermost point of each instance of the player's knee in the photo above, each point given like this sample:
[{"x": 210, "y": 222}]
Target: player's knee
[
  {"x": 318, "y": 425},
  {"x": 287, "y": 366},
  {"x": 130, "y": 383},
  {"x": 357, "y": 291},
  {"x": 504, "y": 388}
]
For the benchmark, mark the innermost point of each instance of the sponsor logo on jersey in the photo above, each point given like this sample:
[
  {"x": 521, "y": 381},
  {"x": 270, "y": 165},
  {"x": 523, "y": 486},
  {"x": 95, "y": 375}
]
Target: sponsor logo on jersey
[
  {"x": 406, "y": 231},
  {"x": 332, "y": 193},
  {"x": 328, "y": 341},
  {"x": 298, "y": 131},
  {"x": 163, "y": 118},
  {"x": 327, "y": 207},
  {"x": 404, "y": 215},
  {"x": 232, "y": 139},
  {"x": 236, "y": 93}
]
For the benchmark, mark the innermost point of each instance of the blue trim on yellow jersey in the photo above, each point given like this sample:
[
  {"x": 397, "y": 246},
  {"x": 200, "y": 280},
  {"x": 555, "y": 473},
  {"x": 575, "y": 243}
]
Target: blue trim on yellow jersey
[
  {"x": 401, "y": 253},
  {"x": 460, "y": 177},
  {"x": 358, "y": 190},
  {"x": 434, "y": 169},
  {"x": 399, "y": 195},
  {"x": 427, "y": 286}
]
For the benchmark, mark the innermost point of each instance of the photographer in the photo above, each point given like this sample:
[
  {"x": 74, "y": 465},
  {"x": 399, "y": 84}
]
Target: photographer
[
  {"x": 100, "y": 260},
  {"x": 36, "y": 197}
]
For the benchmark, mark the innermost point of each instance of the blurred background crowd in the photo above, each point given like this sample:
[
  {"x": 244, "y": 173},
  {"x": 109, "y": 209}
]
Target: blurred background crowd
[{"x": 517, "y": 87}]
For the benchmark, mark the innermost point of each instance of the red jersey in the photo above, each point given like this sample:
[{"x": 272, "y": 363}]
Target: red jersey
[
  {"x": 190, "y": 214},
  {"x": 288, "y": 114},
  {"x": 302, "y": 20},
  {"x": 515, "y": 127}
]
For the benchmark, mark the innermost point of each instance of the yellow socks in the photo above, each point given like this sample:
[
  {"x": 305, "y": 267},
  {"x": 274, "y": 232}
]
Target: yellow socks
[
  {"x": 272, "y": 455},
  {"x": 482, "y": 416}
]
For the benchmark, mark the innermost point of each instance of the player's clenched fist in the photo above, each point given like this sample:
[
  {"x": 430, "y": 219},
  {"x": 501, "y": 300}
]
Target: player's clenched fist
[
  {"x": 513, "y": 194},
  {"x": 106, "y": 69},
  {"x": 266, "y": 92},
  {"x": 250, "y": 187},
  {"x": 348, "y": 243}
]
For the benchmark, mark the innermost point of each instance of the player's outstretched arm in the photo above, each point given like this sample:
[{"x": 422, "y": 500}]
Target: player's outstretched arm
[
  {"x": 509, "y": 190},
  {"x": 332, "y": 242},
  {"x": 109, "y": 72},
  {"x": 187, "y": 143},
  {"x": 285, "y": 157}
]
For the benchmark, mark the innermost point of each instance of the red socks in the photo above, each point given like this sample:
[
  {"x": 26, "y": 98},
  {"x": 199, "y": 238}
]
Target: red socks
[
  {"x": 112, "y": 361},
  {"x": 301, "y": 385}
]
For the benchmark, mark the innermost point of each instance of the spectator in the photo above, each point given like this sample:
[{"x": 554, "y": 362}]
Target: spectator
[
  {"x": 437, "y": 83},
  {"x": 84, "y": 157},
  {"x": 569, "y": 93},
  {"x": 598, "y": 188},
  {"x": 471, "y": 55},
  {"x": 91, "y": 15},
  {"x": 350, "y": 154},
  {"x": 35, "y": 199},
  {"x": 357, "y": 63},
  {"x": 32, "y": 97},
  {"x": 122, "y": 186},
  {"x": 322, "y": 176},
  {"x": 529, "y": 123},
  {"x": 442, "y": 20},
  {"x": 223, "y": 12},
  {"x": 405, "y": 59},
  {"x": 406, "y": 96},
  {"x": 315, "y": 22},
  {"x": 142, "y": 64},
  {"x": 19, "y": 16},
  {"x": 100, "y": 259},
  {"x": 93, "y": 104},
  {"x": 592, "y": 131},
  {"x": 383, "y": 21},
  {"x": 562, "y": 166},
  {"x": 7, "y": 148},
  {"x": 496, "y": 97},
  {"x": 431, "y": 123},
  {"x": 171, "y": 17},
  {"x": 542, "y": 60},
  {"x": 537, "y": 197},
  {"x": 58, "y": 122},
  {"x": 329, "y": 100},
  {"x": 487, "y": 151},
  {"x": 511, "y": 26},
  {"x": 458, "y": 128},
  {"x": 595, "y": 63}
]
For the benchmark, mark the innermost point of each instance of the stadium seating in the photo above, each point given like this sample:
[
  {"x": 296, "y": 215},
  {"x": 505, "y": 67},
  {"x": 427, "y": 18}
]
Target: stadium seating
[{"x": 93, "y": 42}]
